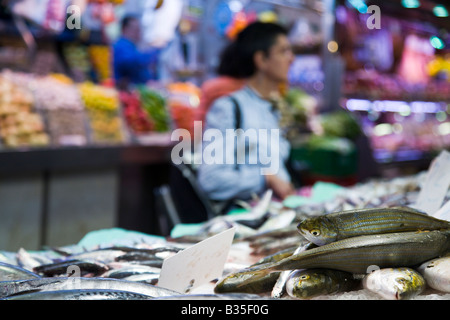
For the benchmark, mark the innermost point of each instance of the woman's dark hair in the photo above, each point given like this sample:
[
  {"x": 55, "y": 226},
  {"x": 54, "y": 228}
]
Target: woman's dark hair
[
  {"x": 229, "y": 63},
  {"x": 238, "y": 57}
]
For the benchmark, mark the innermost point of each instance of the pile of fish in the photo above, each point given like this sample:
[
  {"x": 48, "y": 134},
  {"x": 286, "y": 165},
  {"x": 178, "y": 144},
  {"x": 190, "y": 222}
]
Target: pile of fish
[
  {"x": 108, "y": 273},
  {"x": 376, "y": 248},
  {"x": 368, "y": 242}
]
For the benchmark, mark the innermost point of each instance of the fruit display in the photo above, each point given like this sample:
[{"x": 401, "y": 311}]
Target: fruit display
[
  {"x": 154, "y": 105},
  {"x": 77, "y": 58},
  {"x": 136, "y": 118},
  {"x": 60, "y": 103},
  {"x": 103, "y": 106},
  {"x": 20, "y": 126},
  {"x": 184, "y": 99},
  {"x": 100, "y": 56}
]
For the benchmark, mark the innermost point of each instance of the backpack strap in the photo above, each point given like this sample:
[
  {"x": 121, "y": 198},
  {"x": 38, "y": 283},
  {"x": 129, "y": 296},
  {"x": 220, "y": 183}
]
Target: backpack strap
[{"x": 237, "y": 124}]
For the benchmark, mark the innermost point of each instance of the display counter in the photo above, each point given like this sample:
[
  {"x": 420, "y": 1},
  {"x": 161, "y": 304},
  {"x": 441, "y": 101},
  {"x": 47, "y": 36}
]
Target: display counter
[{"x": 56, "y": 195}]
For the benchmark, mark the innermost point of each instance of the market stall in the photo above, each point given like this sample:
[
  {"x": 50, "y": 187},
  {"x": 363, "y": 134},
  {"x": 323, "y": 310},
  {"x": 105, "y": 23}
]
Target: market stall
[{"x": 85, "y": 164}]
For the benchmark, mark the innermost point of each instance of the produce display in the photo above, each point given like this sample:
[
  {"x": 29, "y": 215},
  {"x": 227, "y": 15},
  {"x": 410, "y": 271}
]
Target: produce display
[
  {"x": 101, "y": 56},
  {"x": 137, "y": 119},
  {"x": 103, "y": 109},
  {"x": 60, "y": 102},
  {"x": 20, "y": 125},
  {"x": 154, "y": 105},
  {"x": 77, "y": 58},
  {"x": 184, "y": 99}
]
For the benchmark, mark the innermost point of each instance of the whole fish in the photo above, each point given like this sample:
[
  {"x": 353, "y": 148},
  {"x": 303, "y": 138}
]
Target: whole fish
[
  {"x": 247, "y": 282},
  {"x": 8, "y": 288},
  {"x": 129, "y": 270},
  {"x": 62, "y": 267},
  {"x": 310, "y": 283},
  {"x": 280, "y": 286},
  {"x": 86, "y": 294},
  {"x": 395, "y": 283},
  {"x": 357, "y": 254},
  {"x": 437, "y": 273},
  {"x": 12, "y": 272},
  {"x": 345, "y": 224}
]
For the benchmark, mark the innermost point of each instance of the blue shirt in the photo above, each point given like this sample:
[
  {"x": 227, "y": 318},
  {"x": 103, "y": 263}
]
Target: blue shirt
[
  {"x": 131, "y": 64},
  {"x": 221, "y": 181}
]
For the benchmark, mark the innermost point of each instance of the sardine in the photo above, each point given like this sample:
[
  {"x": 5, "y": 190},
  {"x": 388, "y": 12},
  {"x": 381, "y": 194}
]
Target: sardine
[
  {"x": 395, "y": 283},
  {"x": 87, "y": 294},
  {"x": 310, "y": 283},
  {"x": 341, "y": 225},
  {"x": 62, "y": 267},
  {"x": 130, "y": 270},
  {"x": 357, "y": 254},
  {"x": 437, "y": 273},
  {"x": 8, "y": 288},
  {"x": 12, "y": 272},
  {"x": 247, "y": 282},
  {"x": 280, "y": 286}
]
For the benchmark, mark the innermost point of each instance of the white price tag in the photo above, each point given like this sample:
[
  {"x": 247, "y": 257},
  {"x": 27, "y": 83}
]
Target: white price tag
[
  {"x": 436, "y": 185},
  {"x": 197, "y": 265},
  {"x": 444, "y": 212}
]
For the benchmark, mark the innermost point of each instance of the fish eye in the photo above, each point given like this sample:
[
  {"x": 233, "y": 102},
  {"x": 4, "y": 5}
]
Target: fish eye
[
  {"x": 304, "y": 277},
  {"x": 315, "y": 232}
]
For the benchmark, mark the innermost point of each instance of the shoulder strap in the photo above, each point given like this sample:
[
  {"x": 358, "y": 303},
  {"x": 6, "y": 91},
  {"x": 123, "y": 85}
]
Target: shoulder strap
[
  {"x": 237, "y": 124},
  {"x": 237, "y": 113}
]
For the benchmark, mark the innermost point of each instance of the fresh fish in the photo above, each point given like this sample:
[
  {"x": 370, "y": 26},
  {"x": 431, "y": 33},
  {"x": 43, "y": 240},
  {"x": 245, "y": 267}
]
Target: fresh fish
[
  {"x": 395, "y": 283},
  {"x": 310, "y": 283},
  {"x": 12, "y": 272},
  {"x": 437, "y": 273},
  {"x": 126, "y": 271},
  {"x": 150, "y": 278},
  {"x": 341, "y": 225},
  {"x": 87, "y": 294},
  {"x": 29, "y": 261},
  {"x": 101, "y": 255},
  {"x": 357, "y": 254},
  {"x": 280, "y": 286},
  {"x": 61, "y": 268},
  {"x": 8, "y": 288},
  {"x": 247, "y": 282}
]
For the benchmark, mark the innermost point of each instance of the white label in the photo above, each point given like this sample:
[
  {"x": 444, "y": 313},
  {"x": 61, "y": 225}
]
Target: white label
[
  {"x": 444, "y": 212},
  {"x": 436, "y": 185},
  {"x": 197, "y": 265}
]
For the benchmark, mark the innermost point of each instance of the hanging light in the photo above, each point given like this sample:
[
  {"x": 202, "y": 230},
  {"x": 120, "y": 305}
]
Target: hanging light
[
  {"x": 440, "y": 11},
  {"x": 437, "y": 43},
  {"x": 411, "y": 3}
]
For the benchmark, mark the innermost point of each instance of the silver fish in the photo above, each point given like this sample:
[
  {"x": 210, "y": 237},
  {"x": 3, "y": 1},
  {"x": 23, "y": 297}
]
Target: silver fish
[
  {"x": 87, "y": 294},
  {"x": 280, "y": 286},
  {"x": 12, "y": 272},
  {"x": 437, "y": 273},
  {"x": 395, "y": 283},
  {"x": 9, "y": 288}
]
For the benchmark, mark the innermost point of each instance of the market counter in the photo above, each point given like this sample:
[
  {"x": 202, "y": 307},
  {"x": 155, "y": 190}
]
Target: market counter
[{"x": 56, "y": 195}]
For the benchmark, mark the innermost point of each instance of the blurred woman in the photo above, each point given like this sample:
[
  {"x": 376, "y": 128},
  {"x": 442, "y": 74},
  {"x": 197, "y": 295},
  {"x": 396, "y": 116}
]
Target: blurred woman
[{"x": 262, "y": 55}]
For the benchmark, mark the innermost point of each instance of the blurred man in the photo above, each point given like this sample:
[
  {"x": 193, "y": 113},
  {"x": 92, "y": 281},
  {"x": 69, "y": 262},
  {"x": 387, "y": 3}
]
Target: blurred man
[{"x": 131, "y": 66}]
